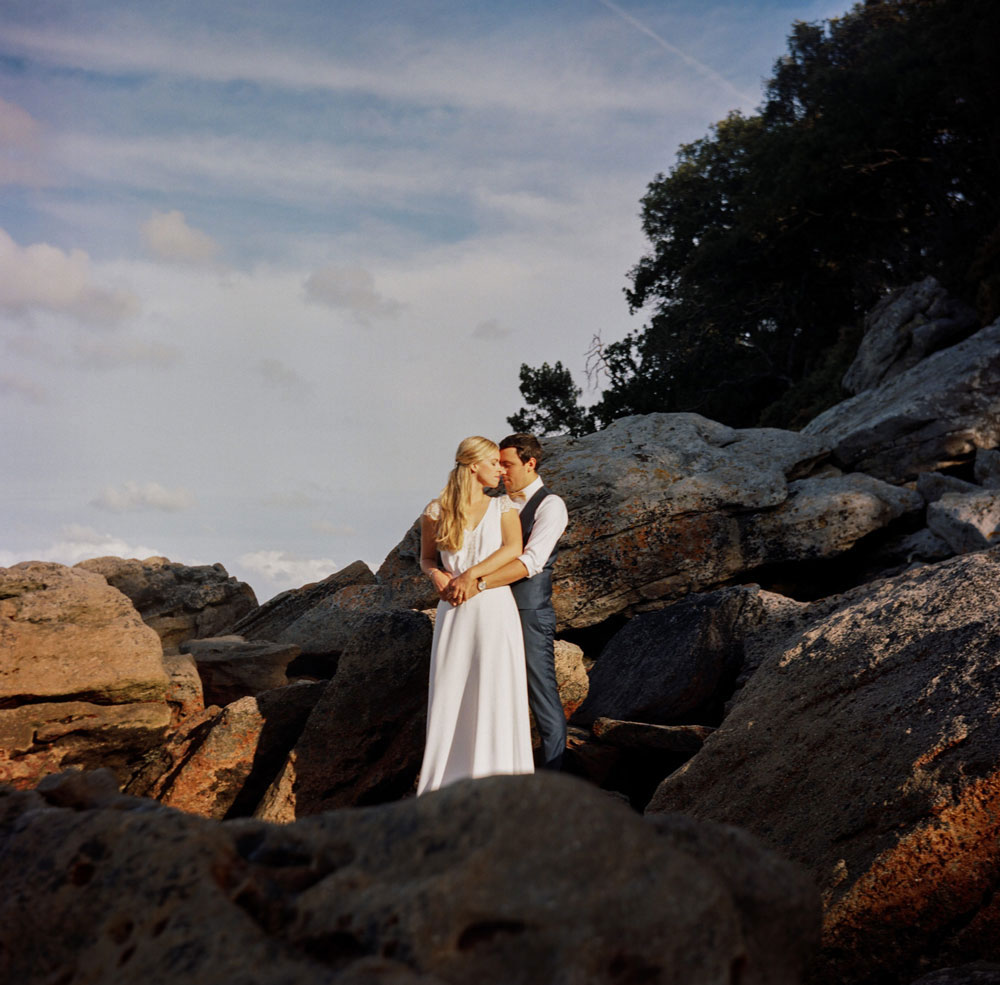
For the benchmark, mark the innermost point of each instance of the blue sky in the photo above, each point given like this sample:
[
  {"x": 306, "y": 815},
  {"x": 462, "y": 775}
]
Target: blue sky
[{"x": 262, "y": 266}]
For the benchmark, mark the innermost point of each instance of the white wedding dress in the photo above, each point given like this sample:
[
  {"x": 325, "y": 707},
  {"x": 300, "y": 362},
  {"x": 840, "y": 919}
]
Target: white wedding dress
[{"x": 477, "y": 711}]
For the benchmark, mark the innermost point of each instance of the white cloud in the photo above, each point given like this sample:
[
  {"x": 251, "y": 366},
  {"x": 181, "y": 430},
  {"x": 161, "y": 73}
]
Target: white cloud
[
  {"x": 43, "y": 276},
  {"x": 78, "y": 543},
  {"x": 490, "y": 329},
  {"x": 143, "y": 496},
  {"x": 27, "y": 389},
  {"x": 167, "y": 236},
  {"x": 282, "y": 377},
  {"x": 333, "y": 529},
  {"x": 280, "y": 567},
  {"x": 111, "y": 354},
  {"x": 353, "y": 289},
  {"x": 20, "y": 147}
]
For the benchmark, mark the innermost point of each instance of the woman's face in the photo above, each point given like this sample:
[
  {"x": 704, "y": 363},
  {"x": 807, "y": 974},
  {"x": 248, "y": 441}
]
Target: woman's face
[{"x": 487, "y": 471}]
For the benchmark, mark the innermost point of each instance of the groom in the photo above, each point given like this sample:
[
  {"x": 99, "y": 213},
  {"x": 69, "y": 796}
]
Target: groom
[{"x": 543, "y": 519}]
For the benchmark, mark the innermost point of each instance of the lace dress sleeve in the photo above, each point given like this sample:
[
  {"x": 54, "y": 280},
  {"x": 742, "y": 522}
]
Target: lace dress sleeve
[
  {"x": 433, "y": 509},
  {"x": 506, "y": 504}
]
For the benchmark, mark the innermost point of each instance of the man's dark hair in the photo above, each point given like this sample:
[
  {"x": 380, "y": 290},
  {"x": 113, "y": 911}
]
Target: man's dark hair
[{"x": 526, "y": 446}]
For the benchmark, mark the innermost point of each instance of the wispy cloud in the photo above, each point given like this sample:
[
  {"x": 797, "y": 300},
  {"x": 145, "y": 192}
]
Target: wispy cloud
[
  {"x": 20, "y": 147},
  {"x": 46, "y": 277},
  {"x": 490, "y": 329},
  {"x": 287, "y": 568},
  {"x": 78, "y": 543},
  {"x": 283, "y": 378},
  {"x": 351, "y": 289},
  {"x": 119, "y": 352},
  {"x": 143, "y": 496},
  {"x": 168, "y": 236},
  {"x": 24, "y": 388}
]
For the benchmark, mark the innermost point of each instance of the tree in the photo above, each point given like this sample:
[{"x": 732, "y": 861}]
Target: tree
[
  {"x": 871, "y": 163},
  {"x": 554, "y": 397}
]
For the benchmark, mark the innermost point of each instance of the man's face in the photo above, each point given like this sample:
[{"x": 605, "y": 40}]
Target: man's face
[{"x": 517, "y": 474}]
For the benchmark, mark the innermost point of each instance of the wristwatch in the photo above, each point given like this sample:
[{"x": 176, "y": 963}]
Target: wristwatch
[{"x": 481, "y": 584}]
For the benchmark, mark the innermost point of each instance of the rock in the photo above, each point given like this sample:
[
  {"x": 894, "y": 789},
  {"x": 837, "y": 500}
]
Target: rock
[
  {"x": 640, "y": 735},
  {"x": 867, "y": 748},
  {"x": 185, "y": 693},
  {"x": 987, "y": 467},
  {"x": 179, "y": 602},
  {"x": 823, "y": 517},
  {"x": 221, "y": 765},
  {"x": 966, "y": 522},
  {"x": 572, "y": 679},
  {"x": 364, "y": 741},
  {"x": 231, "y": 668},
  {"x": 933, "y": 485},
  {"x": 977, "y": 973},
  {"x": 516, "y": 880},
  {"x": 931, "y": 416},
  {"x": 765, "y": 891},
  {"x": 677, "y": 664},
  {"x": 82, "y": 680},
  {"x": 903, "y": 328},
  {"x": 273, "y": 617},
  {"x": 322, "y": 633}
]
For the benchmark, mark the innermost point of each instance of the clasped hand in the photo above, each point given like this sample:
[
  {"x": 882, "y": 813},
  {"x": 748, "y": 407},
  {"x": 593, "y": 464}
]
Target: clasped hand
[{"x": 459, "y": 589}]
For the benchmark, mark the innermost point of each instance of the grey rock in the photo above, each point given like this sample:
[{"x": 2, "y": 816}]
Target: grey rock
[
  {"x": 933, "y": 415},
  {"x": 866, "y": 748},
  {"x": 271, "y": 619},
  {"x": 987, "y": 467},
  {"x": 903, "y": 328},
  {"x": 513, "y": 880},
  {"x": 231, "y": 668},
  {"x": 966, "y": 522},
  {"x": 363, "y": 742},
  {"x": 933, "y": 485},
  {"x": 178, "y": 601}
]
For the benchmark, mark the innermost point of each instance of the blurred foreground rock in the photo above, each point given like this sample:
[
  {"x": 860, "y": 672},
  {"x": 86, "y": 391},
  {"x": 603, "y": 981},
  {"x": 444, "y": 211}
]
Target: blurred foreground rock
[{"x": 513, "y": 880}]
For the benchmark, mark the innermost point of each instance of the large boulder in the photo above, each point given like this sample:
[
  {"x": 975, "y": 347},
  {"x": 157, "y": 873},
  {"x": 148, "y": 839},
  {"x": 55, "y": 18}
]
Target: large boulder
[
  {"x": 903, "y": 328},
  {"x": 275, "y": 616},
  {"x": 82, "y": 680},
  {"x": 513, "y": 880},
  {"x": 935, "y": 414},
  {"x": 363, "y": 742},
  {"x": 221, "y": 763},
  {"x": 867, "y": 747},
  {"x": 966, "y": 521},
  {"x": 178, "y": 601},
  {"x": 231, "y": 668}
]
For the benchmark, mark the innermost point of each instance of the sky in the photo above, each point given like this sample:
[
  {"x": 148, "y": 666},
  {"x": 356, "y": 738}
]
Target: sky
[{"x": 263, "y": 265}]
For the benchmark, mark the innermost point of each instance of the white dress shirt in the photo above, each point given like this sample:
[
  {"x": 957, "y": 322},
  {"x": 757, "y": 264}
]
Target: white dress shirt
[{"x": 551, "y": 518}]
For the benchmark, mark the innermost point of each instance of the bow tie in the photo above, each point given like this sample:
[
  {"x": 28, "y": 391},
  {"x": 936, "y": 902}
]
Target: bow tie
[{"x": 518, "y": 497}]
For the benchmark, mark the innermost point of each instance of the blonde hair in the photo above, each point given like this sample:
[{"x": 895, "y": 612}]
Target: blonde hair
[{"x": 456, "y": 497}]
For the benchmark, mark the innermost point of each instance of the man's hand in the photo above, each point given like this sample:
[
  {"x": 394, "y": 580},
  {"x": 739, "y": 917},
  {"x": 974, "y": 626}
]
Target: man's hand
[{"x": 463, "y": 587}]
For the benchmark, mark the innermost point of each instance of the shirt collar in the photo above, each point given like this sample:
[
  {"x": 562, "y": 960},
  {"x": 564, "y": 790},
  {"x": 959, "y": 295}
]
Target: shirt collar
[{"x": 523, "y": 495}]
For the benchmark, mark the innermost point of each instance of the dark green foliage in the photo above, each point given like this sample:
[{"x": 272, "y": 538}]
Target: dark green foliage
[
  {"x": 553, "y": 395},
  {"x": 872, "y": 162}
]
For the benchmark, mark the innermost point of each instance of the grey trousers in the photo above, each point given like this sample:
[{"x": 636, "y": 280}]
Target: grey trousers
[{"x": 539, "y": 627}]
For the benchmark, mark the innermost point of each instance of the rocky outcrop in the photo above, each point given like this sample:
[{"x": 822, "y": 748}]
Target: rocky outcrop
[
  {"x": 275, "y": 616},
  {"x": 179, "y": 602},
  {"x": 220, "y": 763},
  {"x": 966, "y": 521},
  {"x": 977, "y": 973},
  {"x": 931, "y": 416},
  {"x": 231, "y": 668},
  {"x": 903, "y": 328},
  {"x": 477, "y": 882},
  {"x": 866, "y": 746},
  {"x": 364, "y": 741},
  {"x": 82, "y": 680}
]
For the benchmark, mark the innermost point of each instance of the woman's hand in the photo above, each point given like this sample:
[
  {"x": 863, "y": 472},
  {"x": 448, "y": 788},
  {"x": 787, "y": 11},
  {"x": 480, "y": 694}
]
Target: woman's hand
[
  {"x": 441, "y": 581},
  {"x": 463, "y": 587}
]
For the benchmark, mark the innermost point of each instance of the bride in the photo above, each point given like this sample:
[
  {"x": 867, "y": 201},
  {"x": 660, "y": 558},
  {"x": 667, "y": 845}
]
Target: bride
[{"x": 477, "y": 715}]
